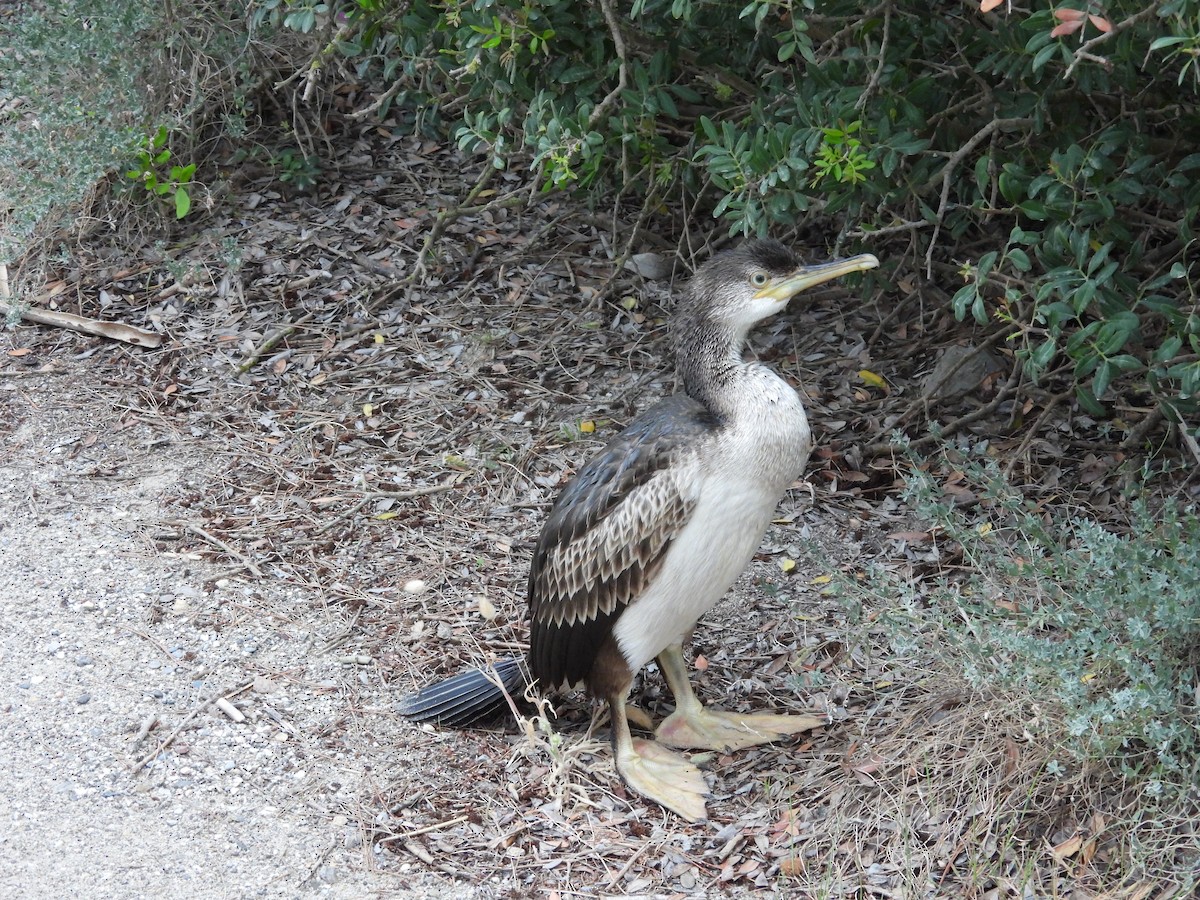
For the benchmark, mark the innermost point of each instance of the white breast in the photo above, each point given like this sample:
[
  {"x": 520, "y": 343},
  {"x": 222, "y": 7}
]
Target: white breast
[{"x": 745, "y": 470}]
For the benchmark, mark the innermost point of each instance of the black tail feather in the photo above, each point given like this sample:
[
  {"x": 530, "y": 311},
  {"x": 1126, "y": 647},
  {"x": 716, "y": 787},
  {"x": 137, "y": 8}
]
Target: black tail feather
[{"x": 468, "y": 697}]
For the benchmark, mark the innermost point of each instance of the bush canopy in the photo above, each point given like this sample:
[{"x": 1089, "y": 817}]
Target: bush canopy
[{"x": 1042, "y": 163}]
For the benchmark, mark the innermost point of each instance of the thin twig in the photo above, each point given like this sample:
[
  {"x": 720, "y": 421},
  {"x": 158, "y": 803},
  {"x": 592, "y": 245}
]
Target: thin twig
[
  {"x": 624, "y": 870},
  {"x": 436, "y": 826},
  {"x": 881, "y": 447},
  {"x": 140, "y": 764},
  {"x": 948, "y": 173},
  {"x": 1185, "y": 434},
  {"x": 859, "y": 233},
  {"x": 149, "y": 640},
  {"x": 1139, "y": 431},
  {"x": 1084, "y": 50},
  {"x": 144, "y": 730},
  {"x": 619, "y": 262},
  {"x": 261, "y": 350},
  {"x": 386, "y": 495},
  {"x": 973, "y": 354},
  {"x": 380, "y": 100},
  {"x": 878, "y": 71},
  {"x": 622, "y": 70},
  {"x": 217, "y": 542},
  {"x": 1035, "y": 430},
  {"x": 444, "y": 218}
]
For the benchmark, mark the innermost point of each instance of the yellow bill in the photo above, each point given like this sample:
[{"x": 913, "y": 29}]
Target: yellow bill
[{"x": 805, "y": 277}]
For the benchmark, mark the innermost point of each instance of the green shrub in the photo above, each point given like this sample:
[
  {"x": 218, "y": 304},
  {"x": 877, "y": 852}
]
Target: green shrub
[
  {"x": 152, "y": 170},
  {"x": 1041, "y": 166},
  {"x": 1100, "y": 630},
  {"x": 77, "y": 69},
  {"x": 109, "y": 93}
]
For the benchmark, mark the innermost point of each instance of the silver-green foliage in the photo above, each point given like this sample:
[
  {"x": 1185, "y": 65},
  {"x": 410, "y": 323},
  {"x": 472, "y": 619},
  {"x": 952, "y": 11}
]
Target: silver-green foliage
[
  {"x": 79, "y": 71},
  {"x": 1099, "y": 627}
]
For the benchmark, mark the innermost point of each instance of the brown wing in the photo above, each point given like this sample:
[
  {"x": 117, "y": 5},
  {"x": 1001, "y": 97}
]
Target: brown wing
[{"x": 607, "y": 534}]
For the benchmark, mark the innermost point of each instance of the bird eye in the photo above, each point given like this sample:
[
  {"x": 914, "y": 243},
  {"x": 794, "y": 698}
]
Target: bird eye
[{"x": 758, "y": 279}]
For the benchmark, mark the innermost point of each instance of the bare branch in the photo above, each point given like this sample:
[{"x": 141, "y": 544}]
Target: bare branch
[
  {"x": 1085, "y": 49},
  {"x": 948, "y": 173},
  {"x": 883, "y": 45},
  {"x": 622, "y": 69}
]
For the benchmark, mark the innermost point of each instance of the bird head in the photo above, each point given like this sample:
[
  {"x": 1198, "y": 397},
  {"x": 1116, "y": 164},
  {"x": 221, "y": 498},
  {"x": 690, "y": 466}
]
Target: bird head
[{"x": 741, "y": 287}]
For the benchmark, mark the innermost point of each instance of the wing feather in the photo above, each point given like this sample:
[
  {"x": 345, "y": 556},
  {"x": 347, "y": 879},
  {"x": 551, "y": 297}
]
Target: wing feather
[{"x": 607, "y": 534}]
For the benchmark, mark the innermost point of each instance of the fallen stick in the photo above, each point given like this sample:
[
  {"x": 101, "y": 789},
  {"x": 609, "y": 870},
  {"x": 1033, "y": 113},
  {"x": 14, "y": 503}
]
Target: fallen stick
[
  {"x": 388, "y": 495},
  {"x": 166, "y": 742},
  {"x": 147, "y": 723},
  {"x": 217, "y": 542},
  {"x": 117, "y": 331},
  {"x": 258, "y": 352},
  {"x": 436, "y": 826}
]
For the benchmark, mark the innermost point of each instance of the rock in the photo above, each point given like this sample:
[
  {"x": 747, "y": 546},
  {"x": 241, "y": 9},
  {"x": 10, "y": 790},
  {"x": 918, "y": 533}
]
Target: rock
[
  {"x": 959, "y": 370},
  {"x": 653, "y": 266}
]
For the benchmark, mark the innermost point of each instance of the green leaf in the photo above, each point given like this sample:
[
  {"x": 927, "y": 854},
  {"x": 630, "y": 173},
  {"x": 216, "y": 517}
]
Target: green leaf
[
  {"x": 1013, "y": 182},
  {"x": 1041, "y": 357},
  {"x": 1083, "y": 295},
  {"x": 1168, "y": 349},
  {"x": 1169, "y": 41},
  {"x": 1043, "y": 56},
  {"x": 1035, "y": 209},
  {"x": 183, "y": 203},
  {"x": 982, "y": 174},
  {"x": 1098, "y": 259},
  {"x": 574, "y": 74},
  {"x": 1102, "y": 378},
  {"x": 963, "y": 298},
  {"x": 1127, "y": 363},
  {"x": 1088, "y": 402},
  {"x": 910, "y": 144},
  {"x": 1019, "y": 259},
  {"x": 685, "y": 93},
  {"x": 978, "y": 310},
  {"x": 667, "y": 104},
  {"x": 891, "y": 159}
]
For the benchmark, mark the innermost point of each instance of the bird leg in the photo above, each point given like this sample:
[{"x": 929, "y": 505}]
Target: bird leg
[
  {"x": 639, "y": 718},
  {"x": 692, "y": 726},
  {"x": 655, "y": 772}
]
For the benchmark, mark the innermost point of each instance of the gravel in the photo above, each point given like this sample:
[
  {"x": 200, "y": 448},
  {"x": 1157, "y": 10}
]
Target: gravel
[{"x": 108, "y": 644}]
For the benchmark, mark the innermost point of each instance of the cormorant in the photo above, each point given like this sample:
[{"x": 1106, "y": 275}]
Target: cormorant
[{"x": 653, "y": 530}]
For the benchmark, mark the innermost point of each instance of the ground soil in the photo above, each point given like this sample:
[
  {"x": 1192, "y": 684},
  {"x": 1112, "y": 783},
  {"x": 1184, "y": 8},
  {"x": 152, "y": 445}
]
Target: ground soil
[
  {"x": 104, "y": 634},
  {"x": 122, "y": 778},
  {"x": 321, "y": 493}
]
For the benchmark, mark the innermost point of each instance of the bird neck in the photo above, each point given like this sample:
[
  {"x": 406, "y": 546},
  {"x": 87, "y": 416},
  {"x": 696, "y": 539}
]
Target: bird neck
[{"x": 710, "y": 366}]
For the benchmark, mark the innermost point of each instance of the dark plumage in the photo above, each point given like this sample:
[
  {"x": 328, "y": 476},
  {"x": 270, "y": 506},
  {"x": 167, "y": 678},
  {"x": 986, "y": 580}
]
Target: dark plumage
[
  {"x": 653, "y": 530},
  {"x": 575, "y": 597},
  {"x": 469, "y": 697}
]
